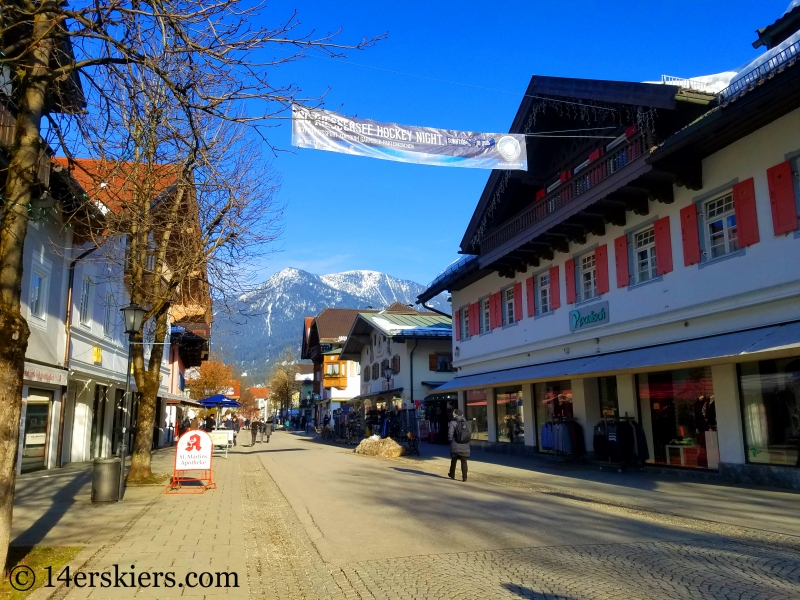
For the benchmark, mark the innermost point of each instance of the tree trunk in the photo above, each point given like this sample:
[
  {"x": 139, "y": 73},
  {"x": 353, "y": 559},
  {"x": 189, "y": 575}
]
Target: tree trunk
[
  {"x": 21, "y": 188},
  {"x": 147, "y": 380}
]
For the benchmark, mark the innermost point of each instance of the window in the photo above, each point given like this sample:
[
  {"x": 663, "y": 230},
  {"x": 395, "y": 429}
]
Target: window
[
  {"x": 485, "y": 316},
  {"x": 332, "y": 369},
  {"x": 644, "y": 250},
  {"x": 396, "y": 364},
  {"x": 36, "y": 300},
  {"x": 588, "y": 277},
  {"x": 508, "y": 306},
  {"x": 721, "y": 232},
  {"x": 366, "y": 374},
  {"x": 384, "y": 366},
  {"x": 544, "y": 293},
  {"x": 477, "y": 414},
  {"x": 375, "y": 368},
  {"x": 86, "y": 296},
  {"x": 510, "y": 421},
  {"x": 770, "y": 392},
  {"x": 465, "y": 323},
  {"x": 440, "y": 362},
  {"x": 108, "y": 316}
]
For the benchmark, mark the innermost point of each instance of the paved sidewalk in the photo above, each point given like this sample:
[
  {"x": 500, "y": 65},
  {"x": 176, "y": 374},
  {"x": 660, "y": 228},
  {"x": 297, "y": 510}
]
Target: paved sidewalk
[{"x": 758, "y": 508}]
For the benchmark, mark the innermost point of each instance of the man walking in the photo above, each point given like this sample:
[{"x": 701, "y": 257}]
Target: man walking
[
  {"x": 459, "y": 435},
  {"x": 253, "y": 431},
  {"x": 266, "y": 430}
]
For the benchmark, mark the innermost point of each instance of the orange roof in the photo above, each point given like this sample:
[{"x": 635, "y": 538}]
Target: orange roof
[
  {"x": 115, "y": 183},
  {"x": 259, "y": 392}
]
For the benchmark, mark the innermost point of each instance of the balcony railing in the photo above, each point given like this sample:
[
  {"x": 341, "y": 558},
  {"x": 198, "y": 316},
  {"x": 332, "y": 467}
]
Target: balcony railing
[
  {"x": 578, "y": 184},
  {"x": 767, "y": 69}
]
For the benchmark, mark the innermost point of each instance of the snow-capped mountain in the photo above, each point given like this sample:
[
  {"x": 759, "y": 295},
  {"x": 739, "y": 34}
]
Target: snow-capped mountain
[{"x": 270, "y": 318}]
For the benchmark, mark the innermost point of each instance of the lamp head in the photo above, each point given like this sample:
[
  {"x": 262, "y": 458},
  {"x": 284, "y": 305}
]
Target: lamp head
[{"x": 132, "y": 316}]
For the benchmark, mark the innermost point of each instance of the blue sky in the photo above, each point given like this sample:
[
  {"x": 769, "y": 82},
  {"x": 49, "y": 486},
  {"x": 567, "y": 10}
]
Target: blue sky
[{"x": 345, "y": 212}]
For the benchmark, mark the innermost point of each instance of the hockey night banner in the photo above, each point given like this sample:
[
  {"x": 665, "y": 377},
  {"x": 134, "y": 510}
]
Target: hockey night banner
[{"x": 325, "y": 130}]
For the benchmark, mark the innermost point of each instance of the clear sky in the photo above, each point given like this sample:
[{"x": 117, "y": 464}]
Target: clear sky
[{"x": 346, "y": 212}]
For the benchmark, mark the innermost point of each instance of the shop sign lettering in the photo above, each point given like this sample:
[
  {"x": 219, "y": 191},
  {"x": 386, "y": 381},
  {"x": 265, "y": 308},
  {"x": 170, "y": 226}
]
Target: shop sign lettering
[
  {"x": 193, "y": 451},
  {"x": 42, "y": 374},
  {"x": 588, "y": 316}
]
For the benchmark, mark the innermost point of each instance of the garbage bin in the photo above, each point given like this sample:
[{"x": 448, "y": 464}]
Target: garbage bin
[{"x": 105, "y": 480}]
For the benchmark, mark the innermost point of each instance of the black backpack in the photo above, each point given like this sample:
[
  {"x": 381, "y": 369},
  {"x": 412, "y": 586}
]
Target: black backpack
[{"x": 462, "y": 434}]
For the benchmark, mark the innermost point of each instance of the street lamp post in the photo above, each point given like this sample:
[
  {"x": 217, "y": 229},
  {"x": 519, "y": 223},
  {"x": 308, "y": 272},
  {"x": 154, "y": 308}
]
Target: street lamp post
[{"x": 132, "y": 316}]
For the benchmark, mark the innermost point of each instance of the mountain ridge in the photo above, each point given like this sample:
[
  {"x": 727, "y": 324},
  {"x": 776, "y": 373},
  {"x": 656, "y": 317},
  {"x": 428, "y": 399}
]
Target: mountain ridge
[{"x": 270, "y": 318}]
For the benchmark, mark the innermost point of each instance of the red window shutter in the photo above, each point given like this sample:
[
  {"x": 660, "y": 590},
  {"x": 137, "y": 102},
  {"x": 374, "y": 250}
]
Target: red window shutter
[
  {"x": 690, "y": 235},
  {"x": 555, "y": 289},
  {"x": 569, "y": 277},
  {"x": 492, "y": 312},
  {"x": 530, "y": 290},
  {"x": 433, "y": 364},
  {"x": 474, "y": 325},
  {"x": 498, "y": 309},
  {"x": 518, "y": 302},
  {"x": 744, "y": 203},
  {"x": 630, "y": 131},
  {"x": 540, "y": 194},
  {"x": 457, "y": 325},
  {"x": 781, "y": 198},
  {"x": 601, "y": 260},
  {"x": 621, "y": 261},
  {"x": 664, "y": 245}
]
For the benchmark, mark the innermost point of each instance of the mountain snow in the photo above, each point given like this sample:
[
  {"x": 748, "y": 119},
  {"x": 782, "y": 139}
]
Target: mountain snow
[{"x": 270, "y": 318}]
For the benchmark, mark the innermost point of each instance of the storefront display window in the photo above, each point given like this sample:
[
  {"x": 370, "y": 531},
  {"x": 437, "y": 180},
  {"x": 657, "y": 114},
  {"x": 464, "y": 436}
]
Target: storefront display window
[
  {"x": 477, "y": 415},
  {"x": 609, "y": 403},
  {"x": 553, "y": 402},
  {"x": 679, "y": 413},
  {"x": 770, "y": 392},
  {"x": 510, "y": 421},
  {"x": 36, "y": 421},
  {"x": 438, "y": 409}
]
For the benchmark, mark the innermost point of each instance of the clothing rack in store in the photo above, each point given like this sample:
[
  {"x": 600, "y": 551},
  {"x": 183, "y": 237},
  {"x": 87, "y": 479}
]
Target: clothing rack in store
[
  {"x": 630, "y": 452},
  {"x": 566, "y": 449}
]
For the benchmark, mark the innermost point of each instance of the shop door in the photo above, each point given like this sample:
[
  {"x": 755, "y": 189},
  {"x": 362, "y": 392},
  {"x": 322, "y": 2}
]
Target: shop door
[
  {"x": 98, "y": 420},
  {"x": 34, "y": 441},
  {"x": 119, "y": 413}
]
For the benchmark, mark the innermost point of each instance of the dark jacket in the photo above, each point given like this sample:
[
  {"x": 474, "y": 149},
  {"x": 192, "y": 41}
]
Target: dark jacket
[{"x": 455, "y": 447}]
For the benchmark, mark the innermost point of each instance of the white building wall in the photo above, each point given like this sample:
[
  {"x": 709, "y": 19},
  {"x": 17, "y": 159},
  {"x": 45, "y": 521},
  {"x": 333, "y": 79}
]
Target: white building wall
[{"x": 757, "y": 287}]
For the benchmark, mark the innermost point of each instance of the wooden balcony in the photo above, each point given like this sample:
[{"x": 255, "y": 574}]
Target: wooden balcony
[
  {"x": 568, "y": 192},
  {"x": 7, "y": 125}
]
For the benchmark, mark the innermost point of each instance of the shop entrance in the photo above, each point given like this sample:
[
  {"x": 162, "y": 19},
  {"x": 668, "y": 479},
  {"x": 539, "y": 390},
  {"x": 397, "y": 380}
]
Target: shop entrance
[
  {"x": 679, "y": 406},
  {"x": 438, "y": 409},
  {"x": 98, "y": 420},
  {"x": 34, "y": 441}
]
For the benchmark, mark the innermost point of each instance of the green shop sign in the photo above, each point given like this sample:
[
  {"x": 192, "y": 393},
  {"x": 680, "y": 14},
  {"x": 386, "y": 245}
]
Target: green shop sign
[{"x": 588, "y": 316}]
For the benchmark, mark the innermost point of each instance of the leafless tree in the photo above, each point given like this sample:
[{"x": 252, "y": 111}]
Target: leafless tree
[
  {"x": 199, "y": 69},
  {"x": 283, "y": 385}
]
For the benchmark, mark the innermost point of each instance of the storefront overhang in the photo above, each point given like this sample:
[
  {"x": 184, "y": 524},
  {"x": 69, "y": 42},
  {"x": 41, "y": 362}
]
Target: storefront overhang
[
  {"x": 173, "y": 399},
  {"x": 740, "y": 346},
  {"x": 373, "y": 395}
]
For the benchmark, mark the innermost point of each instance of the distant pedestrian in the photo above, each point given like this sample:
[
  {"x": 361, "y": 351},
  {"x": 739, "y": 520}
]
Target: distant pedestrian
[
  {"x": 266, "y": 430},
  {"x": 459, "y": 435},
  {"x": 253, "y": 431},
  {"x": 303, "y": 423},
  {"x": 195, "y": 423},
  {"x": 210, "y": 423}
]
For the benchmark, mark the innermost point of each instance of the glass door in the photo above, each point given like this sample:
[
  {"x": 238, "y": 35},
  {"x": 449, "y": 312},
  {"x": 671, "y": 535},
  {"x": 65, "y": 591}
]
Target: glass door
[
  {"x": 34, "y": 440},
  {"x": 98, "y": 418}
]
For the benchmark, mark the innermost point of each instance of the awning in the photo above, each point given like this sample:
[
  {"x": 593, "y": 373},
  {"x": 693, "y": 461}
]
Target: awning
[
  {"x": 433, "y": 383},
  {"x": 734, "y": 346},
  {"x": 374, "y": 394},
  {"x": 173, "y": 399}
]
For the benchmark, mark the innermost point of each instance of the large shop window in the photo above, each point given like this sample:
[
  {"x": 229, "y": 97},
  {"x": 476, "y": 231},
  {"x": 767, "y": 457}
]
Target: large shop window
[
  {"x": 609, "y": 402},
  {"x": 510, "y": 421},
  {"x": 770, "y": 392},
  {"x": 553, "y": 402},
  {"x": 678, "y": 409},
  {"x": 477, "y": 415}
]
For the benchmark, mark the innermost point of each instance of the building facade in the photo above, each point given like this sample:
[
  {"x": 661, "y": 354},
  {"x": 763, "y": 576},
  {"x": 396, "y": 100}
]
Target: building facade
[{"x": 651, "y": 277}]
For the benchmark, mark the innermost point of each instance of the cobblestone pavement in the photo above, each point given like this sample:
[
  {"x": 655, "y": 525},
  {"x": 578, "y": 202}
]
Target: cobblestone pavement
[{"x": 283, "y": 562}]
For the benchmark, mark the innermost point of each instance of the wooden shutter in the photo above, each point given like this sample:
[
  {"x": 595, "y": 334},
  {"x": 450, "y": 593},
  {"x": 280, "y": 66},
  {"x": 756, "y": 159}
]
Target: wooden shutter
[
  {"x": 497, "y": 311},
  {"x": 457, "y": 325},
  {"x": 569, "y": 280},
  {"x": 663, "y": 245},
  {"x": 433, "y": 364},
  {"x": 621, "y": 261},
  {"x": 517, "y": 302},
  {"x": 601, "y": 260},
  {"x": 474, "y": 324},
  {"x": 555, "y": 289},
  {"x": 781, "y": 198},
  {"x": 744, "y": 203},
  {"x": 530, "y": 290},
  {"x": 690, "y": 235}
]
